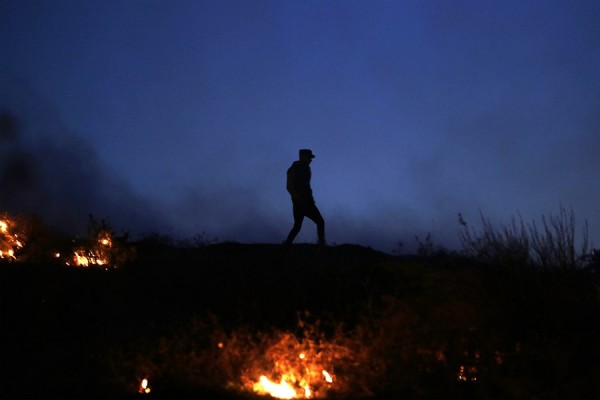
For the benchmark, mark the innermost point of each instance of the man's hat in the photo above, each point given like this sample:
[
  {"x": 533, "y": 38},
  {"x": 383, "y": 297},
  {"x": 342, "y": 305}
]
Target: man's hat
[{"x": 306, "y": 153}]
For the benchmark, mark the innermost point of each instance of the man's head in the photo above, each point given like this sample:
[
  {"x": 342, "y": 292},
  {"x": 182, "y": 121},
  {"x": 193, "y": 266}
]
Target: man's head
[{"x": 306, "y": 155}]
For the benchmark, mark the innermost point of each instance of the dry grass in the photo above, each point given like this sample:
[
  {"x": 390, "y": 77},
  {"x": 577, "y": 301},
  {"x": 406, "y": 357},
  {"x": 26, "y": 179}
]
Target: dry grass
[
  {"x": 553, "y": 244},
  {"x": 209, "y": 321}
]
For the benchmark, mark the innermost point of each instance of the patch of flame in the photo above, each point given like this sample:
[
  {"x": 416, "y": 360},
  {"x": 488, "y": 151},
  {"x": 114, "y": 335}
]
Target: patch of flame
[
  {"x": 298, "y": 368},
  {"x": 289, "y": 386},
  {"x": 98, "y": 255},
  {"x": 10, "y": 241},
  {"x": 85, "y": 258},
  {"x": 282, "y": 390}
]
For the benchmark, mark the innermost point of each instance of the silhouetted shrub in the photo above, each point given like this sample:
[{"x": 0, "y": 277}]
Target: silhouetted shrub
[{"x": 551, "y": 245}]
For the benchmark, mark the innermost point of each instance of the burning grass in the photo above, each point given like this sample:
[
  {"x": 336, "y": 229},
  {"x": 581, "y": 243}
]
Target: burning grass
[
  {"x": 102, "y": 248},
  {"x": 99, "y": 254},
  {"x": 281, "y": 364},
  {"x": 418, "y": 348},
  {"x": 287, "y": 366},
  {"x": 448, "y": 331},
  {"x": 293, "y": 372},
  {"x": 12, "y": 237},
  {"x": 25, "y": 239},
  {"x": 222, "y": 321}
]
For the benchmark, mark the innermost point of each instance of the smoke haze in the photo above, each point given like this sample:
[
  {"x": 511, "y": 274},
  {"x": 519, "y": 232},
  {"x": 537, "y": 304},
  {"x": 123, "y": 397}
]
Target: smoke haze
[{"x": 182, "y": 117}]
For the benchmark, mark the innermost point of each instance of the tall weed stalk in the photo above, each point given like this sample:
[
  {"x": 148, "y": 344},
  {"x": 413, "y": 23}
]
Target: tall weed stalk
[{"x": 553, "y": 244}]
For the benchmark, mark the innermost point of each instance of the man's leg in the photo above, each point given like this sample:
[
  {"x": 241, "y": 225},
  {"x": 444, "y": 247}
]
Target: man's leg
[
  {"x": 315, "y": 215},
  {"x": 298, "y": 218}
]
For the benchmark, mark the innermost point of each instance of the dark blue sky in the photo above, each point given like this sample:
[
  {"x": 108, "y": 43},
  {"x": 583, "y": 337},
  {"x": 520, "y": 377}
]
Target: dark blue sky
[{"x": 182, "y": 116}]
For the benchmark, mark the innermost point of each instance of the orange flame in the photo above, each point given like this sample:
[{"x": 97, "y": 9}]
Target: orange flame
[
  {"x": 10, "y": 241},
  {"x": 298, "y": 368},
  {"x": 98, "y": 255},
  {"x": 282, "y": 390},
  {"x": 289, "y": 386}
]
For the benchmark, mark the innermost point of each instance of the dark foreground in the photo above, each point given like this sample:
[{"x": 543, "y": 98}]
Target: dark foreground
[{"x": 414, "y": 327}]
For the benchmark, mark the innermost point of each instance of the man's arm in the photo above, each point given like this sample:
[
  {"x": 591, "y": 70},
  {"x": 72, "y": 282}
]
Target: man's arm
[{"x": 291, "y": 183}]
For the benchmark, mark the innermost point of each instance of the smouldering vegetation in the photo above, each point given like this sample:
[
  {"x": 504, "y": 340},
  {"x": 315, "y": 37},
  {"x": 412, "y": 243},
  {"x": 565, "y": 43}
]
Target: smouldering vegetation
[{"x": 514, "y": 314}]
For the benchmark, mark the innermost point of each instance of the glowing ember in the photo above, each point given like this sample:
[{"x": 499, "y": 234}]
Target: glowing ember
[
  {"x": 105, "y": 240},
  {"x": 144, "y": 388},
  {"x": 467, "y": 374},
  {"x": 328, "y": 378}
]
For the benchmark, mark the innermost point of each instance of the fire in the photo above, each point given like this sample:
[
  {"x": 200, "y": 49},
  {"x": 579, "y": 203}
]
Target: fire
[
  {"x": 282, "y": 390},
  {"x": 467, "y": 373},
  {"x": 97, "y": 255},
  {"x": 290, "y": 386},
  {"x": 100, "y": 248},
  {"x": 10, "y": 240},
  {"x": 105, "y": 240},
  {"x": 295, "y": 369},
  {"x": 144, "y": 388},
  {"x": 85, "y": 258}
]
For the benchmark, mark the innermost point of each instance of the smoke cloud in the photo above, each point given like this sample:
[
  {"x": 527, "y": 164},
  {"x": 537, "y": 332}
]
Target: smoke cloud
[{"x": 48, "y": 171}]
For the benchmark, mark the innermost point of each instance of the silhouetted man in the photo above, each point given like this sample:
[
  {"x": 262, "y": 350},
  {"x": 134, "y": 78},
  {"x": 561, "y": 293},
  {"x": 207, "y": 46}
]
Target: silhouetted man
[{"x": 298, "y": 184}]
